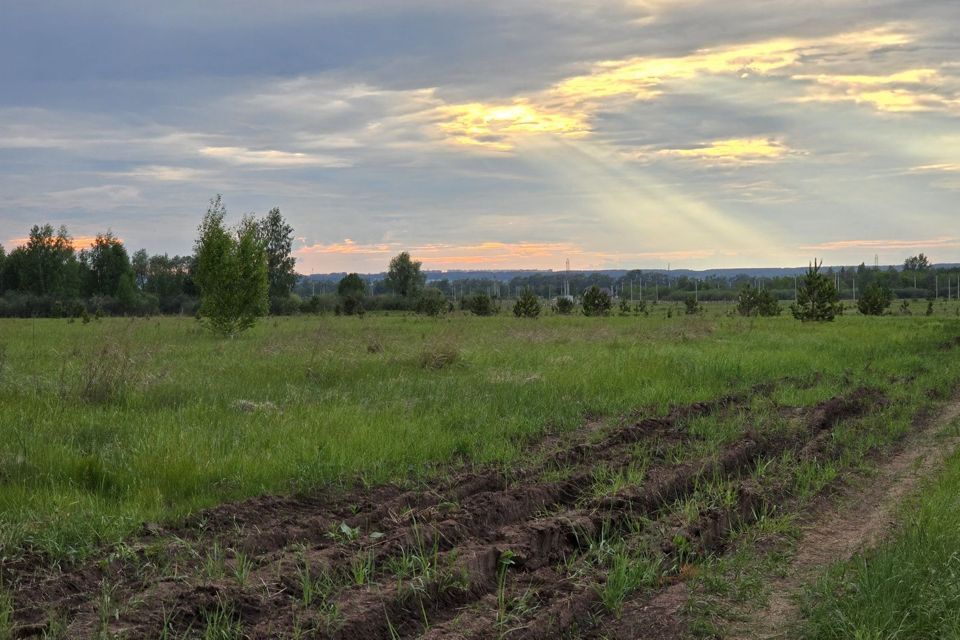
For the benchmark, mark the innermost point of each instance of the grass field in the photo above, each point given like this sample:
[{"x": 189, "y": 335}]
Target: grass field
[{"x": 118, "y": 422}]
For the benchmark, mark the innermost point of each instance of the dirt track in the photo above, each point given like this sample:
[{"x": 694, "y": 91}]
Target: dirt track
[
  {"x": 858, "y": 520},
  {"x": 481, "y": 556}
]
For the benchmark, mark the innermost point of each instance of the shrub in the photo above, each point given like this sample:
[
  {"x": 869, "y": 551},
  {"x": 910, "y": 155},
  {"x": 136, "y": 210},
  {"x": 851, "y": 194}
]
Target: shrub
[
  {"x": 596, "y": 302},
  {"x": 874, "y": 300},
  {"x": 527, "y": 305},
  {"x": 351, "y": 285},
  {"x": 816, "y": 297},
  {"x": 432, "y": 302},
  {"x": 439, "y": 355},
  {"x": 285, "y": 305},
  {"x": 565, "y": 305},
  {"x": 692, "y": 307},
  {"x": 352, "y": 306},
  {"x": 625, "y": 307},
  {"x": 757, "y": 302},
  {"x": 108, "y": 373},
  {"x": 318, "y": 304},
  {"x": 480, "y": 304}
]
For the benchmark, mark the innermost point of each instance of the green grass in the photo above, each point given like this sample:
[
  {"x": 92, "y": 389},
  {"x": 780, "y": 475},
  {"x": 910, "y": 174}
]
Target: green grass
[
  {"x": 117, "y": 422},
  {"x": 909, "y": 587}
]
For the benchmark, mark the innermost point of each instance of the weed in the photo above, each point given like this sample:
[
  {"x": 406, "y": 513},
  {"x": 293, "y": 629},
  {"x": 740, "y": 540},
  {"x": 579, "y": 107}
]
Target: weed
[
  {"x": 439, "y": 355},
  {"x": 361, "y": 568},
  {"x": 503, "y": 565},
  {"x": 625, "y": 575},
  {"x": 221, "y": 623},
  {"x": 108, "y": 373},
  {"x": 242, "y": 566},
  {"x": 6, "y": 614},
  {"x": 215, "y": 565},
  {"x": 106, "y": 609}
]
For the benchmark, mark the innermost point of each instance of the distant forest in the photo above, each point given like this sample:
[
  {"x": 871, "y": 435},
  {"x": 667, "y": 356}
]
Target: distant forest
[{"x": 49, "y": 276}]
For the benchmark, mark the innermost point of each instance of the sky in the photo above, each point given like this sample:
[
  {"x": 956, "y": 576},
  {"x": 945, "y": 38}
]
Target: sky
[{"x": 492, "y": 135}]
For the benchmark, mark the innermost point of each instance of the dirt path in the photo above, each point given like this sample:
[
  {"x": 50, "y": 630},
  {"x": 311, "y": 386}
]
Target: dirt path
[{"x": 856, "y": 521}]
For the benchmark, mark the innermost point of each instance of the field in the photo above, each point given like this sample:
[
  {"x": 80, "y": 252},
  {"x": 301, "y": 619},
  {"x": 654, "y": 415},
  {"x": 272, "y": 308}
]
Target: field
[{"x": 397, "y": 476}]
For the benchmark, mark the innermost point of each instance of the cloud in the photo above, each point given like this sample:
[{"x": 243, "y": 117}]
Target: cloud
[
  {"x": 912, "y": 90},
  {"x": 107, "y": 196},
  {"x": 347, "y": 247},
  {"x": 733, "y": 151},
  {"x": 568, "y": 107},
  {"x": 162, "y": 173},
  {"x": 937, "y": 168},
  {"x": 843, "y": 245},
  {"x": 496, "y": 126},
  {"x": 272, "y": 157}
]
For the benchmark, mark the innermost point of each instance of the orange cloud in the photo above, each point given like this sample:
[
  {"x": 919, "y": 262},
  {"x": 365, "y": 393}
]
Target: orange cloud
[
  {"x": 347, "y": 247},
  {"x": 77, "y": 242},
  {"x": 493, "y": 255}
]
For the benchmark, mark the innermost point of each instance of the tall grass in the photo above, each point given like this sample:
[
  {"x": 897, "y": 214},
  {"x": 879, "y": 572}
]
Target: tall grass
[
  {"x": 172, "y": 431},
  {"x": 907, "y": 588}
]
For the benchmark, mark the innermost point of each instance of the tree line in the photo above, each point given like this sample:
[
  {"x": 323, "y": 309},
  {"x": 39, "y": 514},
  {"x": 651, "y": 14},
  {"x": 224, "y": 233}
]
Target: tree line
[
  {"x": 237, "y": 274},
  {"x": 49, "y": 276}
]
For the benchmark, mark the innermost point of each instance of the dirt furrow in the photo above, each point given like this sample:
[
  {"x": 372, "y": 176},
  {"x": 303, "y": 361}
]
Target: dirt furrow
[
  {"x": 383, "y": 523},
  {"x": 575, "y": 604}
]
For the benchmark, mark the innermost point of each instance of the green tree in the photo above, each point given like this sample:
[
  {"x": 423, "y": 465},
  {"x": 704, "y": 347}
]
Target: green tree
[
  {"x": 47, "y": 265},
  {"x": 692, "y": 307},
  {"x": 404, "y": 276},
  {"x": 874, "y": 300},
  {"x": 277, "y": 238},
  {"x": 107, "y": 262},
  {"x": 596, "y": 302},
  {"x": 816, "y": 297},
  {"x": 527, "y": 304},
  {"x": 126, "y": 292},
  {"x": 140, "y": 263},
  {"x": 3, "y": 260},
  {"x": 752, "y": 301},
  {"x": 565, "y": 305},
  {"x": 480, "y": 304},
  {"x": 231, "y": 271},
  {"x": 432, "y": 302},
  {"x": 352, "y": 285},
  {"x": 916, "y": 263}
]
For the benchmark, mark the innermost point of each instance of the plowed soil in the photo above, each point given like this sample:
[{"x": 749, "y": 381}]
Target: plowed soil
[{"x": 478, "y": 555}]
